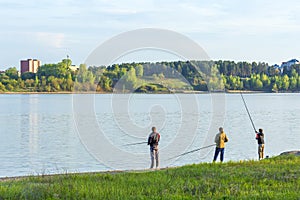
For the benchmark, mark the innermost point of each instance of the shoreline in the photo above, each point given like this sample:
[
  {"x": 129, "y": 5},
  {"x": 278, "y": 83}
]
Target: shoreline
[
  {"x": 16, "y": 178},
  {"x": 3, "y": 179},
  {"x": 9, "y": 178},
  {"x": 181, "y": 92},
  {"x": 197, "y": 180}
]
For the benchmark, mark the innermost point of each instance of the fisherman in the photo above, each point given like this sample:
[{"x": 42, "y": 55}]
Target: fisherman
[
  {"x": 220, "y": 140},
  {"x": 261, "y": 143},
  {"x": 153, "y": 140}
]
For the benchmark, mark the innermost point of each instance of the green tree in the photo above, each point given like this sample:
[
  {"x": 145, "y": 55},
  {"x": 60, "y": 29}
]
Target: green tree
[
  {"x": 86, "y": 78},
  {"x": 139, "y": 69},
  {"x": 265, "y": 80},
  {"x": 293, "y": 73},
  {"x": 12, "y": 73},
  {"x": 293, "y": 83},
  {"x": 54, "y": 83},
  {"x": 66, "y": 63},
  {"x": 256, "y": 83},
  {"x": 82, "y": 74},
  {"x": 69, "y": 83},
  {"x": 90, "y": 77},
  {"x": 179, "y": 68},
  {"x": 63, "y": 68},
  {"x": 130, "y": 79},
  {"x": 4, "y": 79},
  {"x": 36, "y": 82},
  {"x": 47, "y": 70},
  {"x": 155, "y": 77},
  {"x": 161, "y": 76},
  {"x": 214, "y": 80},
  {"x": 274, "y": 87},
  {"x": 2, "y": 87},
  {"x": 47, "y": 88},
  {"x": 9, "y": 87},
  {"x": 21, "y": 84},
  {"x": 59, "y": 70},
  {"x": 285, "y": 82},
  {"x": 29, "y": 83},
  {"x": 104, "y": 84},
  {"x": 278, "y": 82},
  {"x": 43, "y": 84},
  {"x": 28, "y": 75}
]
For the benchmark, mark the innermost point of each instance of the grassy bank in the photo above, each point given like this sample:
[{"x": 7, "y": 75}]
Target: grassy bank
[{"x": 274, "y": 178}]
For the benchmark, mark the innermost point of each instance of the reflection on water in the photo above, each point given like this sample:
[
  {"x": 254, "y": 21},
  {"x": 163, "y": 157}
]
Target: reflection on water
[{"x": 39, "y": 135}]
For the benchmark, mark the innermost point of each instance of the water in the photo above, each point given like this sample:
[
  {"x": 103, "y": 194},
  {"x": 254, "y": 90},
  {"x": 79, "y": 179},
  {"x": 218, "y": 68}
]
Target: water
[{"x": 58, "y": 133}]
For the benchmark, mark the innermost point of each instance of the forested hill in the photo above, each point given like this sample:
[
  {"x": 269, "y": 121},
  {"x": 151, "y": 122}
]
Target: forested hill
[{"x": 154, "y": 77}]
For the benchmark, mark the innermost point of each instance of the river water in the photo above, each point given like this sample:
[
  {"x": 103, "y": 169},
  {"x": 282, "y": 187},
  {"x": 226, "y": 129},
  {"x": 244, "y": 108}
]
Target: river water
[{"x": 61, "y": 133}]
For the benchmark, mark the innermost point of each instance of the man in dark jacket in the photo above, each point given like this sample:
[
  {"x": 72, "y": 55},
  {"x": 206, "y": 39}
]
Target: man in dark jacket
[
  {"x": 153, "y": 140},
  {"x": 261, "y": 143}
]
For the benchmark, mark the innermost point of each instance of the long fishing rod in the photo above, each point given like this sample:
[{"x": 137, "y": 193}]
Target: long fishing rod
[
  {"x": 248, "y": 112},
  {"x": 192, "y": 151},
  {"x": 135, "y": 143}
]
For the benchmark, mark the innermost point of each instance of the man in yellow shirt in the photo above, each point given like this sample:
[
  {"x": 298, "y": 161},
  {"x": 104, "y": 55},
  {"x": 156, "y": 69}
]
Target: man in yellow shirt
[{"x": 220, "y": 140}]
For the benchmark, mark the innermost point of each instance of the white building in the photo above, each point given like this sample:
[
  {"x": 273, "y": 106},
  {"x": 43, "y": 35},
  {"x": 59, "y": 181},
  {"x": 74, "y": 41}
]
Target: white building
[
  {"x": 286, "y": 65},
  {"x": 289, "y": 63},
  {"x": 74, "y": 67}
]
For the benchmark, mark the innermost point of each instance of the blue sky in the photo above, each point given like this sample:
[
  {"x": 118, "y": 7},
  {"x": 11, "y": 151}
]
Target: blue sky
[{"x": 227, "y": 29}]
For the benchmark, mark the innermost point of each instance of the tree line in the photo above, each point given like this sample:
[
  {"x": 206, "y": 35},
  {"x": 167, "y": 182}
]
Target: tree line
[{"x": 181, "y": 75}]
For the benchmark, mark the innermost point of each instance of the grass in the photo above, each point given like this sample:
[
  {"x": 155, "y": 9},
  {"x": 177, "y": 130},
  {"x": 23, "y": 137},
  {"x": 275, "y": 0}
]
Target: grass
[
  {"x": 174, "y": 83},
  {"x": 274, "y": 178}
]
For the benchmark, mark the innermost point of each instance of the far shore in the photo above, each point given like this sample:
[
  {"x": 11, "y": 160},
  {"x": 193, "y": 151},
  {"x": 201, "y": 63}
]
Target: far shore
[{"x": 173, "y": 92}]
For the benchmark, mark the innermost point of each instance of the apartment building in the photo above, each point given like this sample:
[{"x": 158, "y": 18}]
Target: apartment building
[{"x": 30, "y": 65}]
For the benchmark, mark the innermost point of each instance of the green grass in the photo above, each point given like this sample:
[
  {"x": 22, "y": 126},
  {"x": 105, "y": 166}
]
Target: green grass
[
  {"x": 174, "y": 83},
  {"x": 274, "y": 178}
]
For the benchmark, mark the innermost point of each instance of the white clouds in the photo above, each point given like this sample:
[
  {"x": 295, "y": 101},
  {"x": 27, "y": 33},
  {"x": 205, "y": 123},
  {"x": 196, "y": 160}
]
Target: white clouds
[
  {"x": 265, "y": 19},
  {"x": 52, "y": 40},
  {"x": 118, "y": 11},
  {"x": 213, "y": 10},
  {"x": 224, "y": 14},
  {"x": 60, "y": 24}
]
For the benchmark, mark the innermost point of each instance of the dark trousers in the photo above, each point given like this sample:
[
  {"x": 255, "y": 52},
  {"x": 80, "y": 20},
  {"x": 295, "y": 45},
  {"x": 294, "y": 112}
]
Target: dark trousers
[{"x": 217, "y": 151}]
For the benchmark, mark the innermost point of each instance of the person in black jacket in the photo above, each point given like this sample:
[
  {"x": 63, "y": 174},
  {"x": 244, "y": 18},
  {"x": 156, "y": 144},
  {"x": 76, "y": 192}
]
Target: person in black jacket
[
  {"x": 261, "y": 143},
  {"x": 153, "y": 140}
]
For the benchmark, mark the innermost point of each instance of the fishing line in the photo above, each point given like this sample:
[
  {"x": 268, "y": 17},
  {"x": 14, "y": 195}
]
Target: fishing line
[
  {"x": 248, "y": 112},
  {"x": 135, "y": 143},
  {"x": 207, "y": 154},
  {"x": 192, "y": 151}
]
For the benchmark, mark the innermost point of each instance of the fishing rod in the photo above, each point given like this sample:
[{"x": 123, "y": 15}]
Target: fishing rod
[
  {"x": 135, "y": 143},
  {"x": 192, "y": 151},
  {"x": 248, "y": 112}
]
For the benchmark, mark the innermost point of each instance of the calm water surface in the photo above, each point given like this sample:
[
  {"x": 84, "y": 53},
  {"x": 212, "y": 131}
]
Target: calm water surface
[{"x": 44, "y": 134}]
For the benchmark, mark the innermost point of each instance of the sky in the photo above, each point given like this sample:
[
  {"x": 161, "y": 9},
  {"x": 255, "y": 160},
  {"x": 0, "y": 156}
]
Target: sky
[{"x": 49, "y": 30}]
